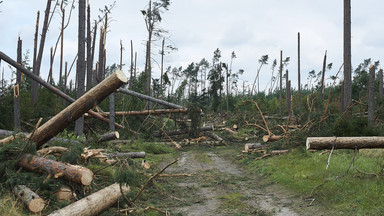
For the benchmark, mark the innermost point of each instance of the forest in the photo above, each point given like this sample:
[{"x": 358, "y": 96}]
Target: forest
[{"x": 196, "y": 140}]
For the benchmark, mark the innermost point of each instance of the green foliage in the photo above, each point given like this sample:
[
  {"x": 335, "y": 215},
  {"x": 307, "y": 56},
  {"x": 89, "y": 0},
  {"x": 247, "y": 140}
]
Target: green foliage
[
  {"x": 153, "y": 148},
  {"x": 354, "y": 127},
  {"x": 127, "y": 175},
  {"x": 72, "y": 156}
]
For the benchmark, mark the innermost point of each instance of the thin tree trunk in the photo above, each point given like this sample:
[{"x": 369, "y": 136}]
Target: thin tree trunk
[
  {"x": 380, "y": 83},
  {"x": 36, "y": 71},
  {"x": 49, "y": 79},
  {"x": 112, "y": 112},
  {"x": 298, "y": 68},
  {"x": 227, "y": 75},
  {"x": 65, "y": 76},
  {"x": 94, "y": 75},
  {"x": 134, "y": 76},
  {"x": 16, "y": 105},
  {"x": 79, "y": 127},
  {"x": 131, "y": 70},
  {"x": 281, "y": 82},
  {"x": 342, "y": 97},
  {"x": 101, "y": 57},
  {"x": 61, "y": 47},
  {"x": 162, "y": 68},
  {"x": 347, "y": 55},
  {"x": 287, "y": 91},
  {"x": 323, "y": 75},
  {"x": 371, "y": 96},
  {"x": 89, "y": 49}
]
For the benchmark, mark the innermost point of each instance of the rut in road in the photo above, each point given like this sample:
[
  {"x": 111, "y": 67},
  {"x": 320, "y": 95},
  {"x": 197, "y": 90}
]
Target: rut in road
[{"x": 219, "y": 187}]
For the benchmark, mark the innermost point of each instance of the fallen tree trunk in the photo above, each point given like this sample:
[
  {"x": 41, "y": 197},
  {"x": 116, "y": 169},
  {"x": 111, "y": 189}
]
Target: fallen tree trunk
[
  {"x": 147, "y": 112},
  {"x": 272, "y": 138},
  {"x": 229, "y": 130},
  {"x": 149, "y": 98},
  {"x": 95, "y": 203},
  {"x": 109, "y": 136},
  {"x": 216, "y": 137},
  {"x": 126, "y": 154},
  {"x": 252, "y": 146},
  {"x": 53, "y": 149},
  {"x": 70, "y": 172},
  {"x": 209, "y": 143},
  {"x": 178, "y": 132},
  {"x": 61, "y": 94},
  {"x": 75, "y": 110},
  {"x": 31, "y": 199},
  {"x": 321, "y": 143}
]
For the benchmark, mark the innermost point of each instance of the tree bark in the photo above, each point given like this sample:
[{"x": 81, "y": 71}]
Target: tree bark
[
  {"x": 89, "y": 49},
  {"x": 36, "y": 69},
  {"x": 16, "y": 96},
  {"x": 131, "y": 69},
  {"x": 95, "y": 203},
  {"x": 79, "y": 126},
  {"x": 112, "y": 112},
  {"x": 281, "y": 82},
  {"x": 126, "y": 155},
  {"x": 320, "y": 143},
  {"x": 347, "y": 56},
  {"x": 380, "y": 83},
  {"x": 53, "y": 149},
  {"x": 371, "y": 96},
  {"x": 109, "y": 136},
  {"x": 31, "y": 199},
  {"x": 149, "y": 98},
  {"x": 36, "y": 37},
  {"x": 70, "y": 172}
]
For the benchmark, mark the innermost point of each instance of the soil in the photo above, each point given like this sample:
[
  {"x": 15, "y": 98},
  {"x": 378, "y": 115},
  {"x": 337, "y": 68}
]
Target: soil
[{"x": 220, "y": 187}]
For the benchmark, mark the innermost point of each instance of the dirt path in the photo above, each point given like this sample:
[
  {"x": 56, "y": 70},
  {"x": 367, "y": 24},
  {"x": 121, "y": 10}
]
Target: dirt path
[{"x": 220, "y": 187}]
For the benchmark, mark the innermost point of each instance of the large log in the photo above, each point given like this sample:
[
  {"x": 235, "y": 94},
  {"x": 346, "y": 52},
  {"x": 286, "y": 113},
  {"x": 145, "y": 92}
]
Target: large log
[
  {"x": 320, "y": 143},
  {"x": 146, "y": 112},
  {"x": 109, "y": 136},
  {"x": 70, "y": 172},
  {"x": 93, "y": 204},
  {"x": 74, "y": 111},
  {"x": 31, "y": 199},
  {"x": 61, "y": 94}
]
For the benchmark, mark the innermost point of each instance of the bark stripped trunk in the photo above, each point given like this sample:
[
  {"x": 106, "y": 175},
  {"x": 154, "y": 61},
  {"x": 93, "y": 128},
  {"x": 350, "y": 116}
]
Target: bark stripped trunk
[
  {"x": 31, "y": 199},
  {"x": 95, "y": 203},
  {"x": 70, "y": 172}
]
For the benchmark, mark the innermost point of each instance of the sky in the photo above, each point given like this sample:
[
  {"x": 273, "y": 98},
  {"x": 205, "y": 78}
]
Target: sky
[{"x": 250, "y": 28}]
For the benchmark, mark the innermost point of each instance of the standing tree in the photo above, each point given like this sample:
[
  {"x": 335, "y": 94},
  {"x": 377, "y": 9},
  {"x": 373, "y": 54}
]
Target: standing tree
[
  {"x": 371, "y": 96},
  {"x": 215, "y": 79},
  {"x": 347, "y": 55},
  {"x": 263, "y": 60},
  {"x": 298, "y": 68},
  {"x": 81, "y": 62},
  {"x": 16, "y": 93},
  {"x": 323, "y": 75},
  {"x": 152, "y": 16}
]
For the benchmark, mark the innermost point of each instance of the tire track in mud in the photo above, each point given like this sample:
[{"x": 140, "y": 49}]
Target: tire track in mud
[{"x": 216, "y": 179}]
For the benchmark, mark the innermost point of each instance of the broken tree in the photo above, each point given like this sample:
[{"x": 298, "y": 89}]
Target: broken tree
[
  {"x": 74, "y": 111},
  {"x": 70, "y": 172},
  {"x": 95, "y": 203},
  {"x": 321, "y": 143}
]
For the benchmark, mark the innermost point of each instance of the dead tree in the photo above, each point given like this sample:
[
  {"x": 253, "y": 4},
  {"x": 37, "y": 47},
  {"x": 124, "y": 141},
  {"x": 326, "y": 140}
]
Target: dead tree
[
  {"x": 37, "y": 64},
  {"x": 371, "y": 96},
  {"x": 16, "y": 95}
]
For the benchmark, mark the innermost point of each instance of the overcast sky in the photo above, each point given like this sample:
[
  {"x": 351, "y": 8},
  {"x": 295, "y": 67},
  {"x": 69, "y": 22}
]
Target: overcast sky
[{"x": 251, "y": 28}]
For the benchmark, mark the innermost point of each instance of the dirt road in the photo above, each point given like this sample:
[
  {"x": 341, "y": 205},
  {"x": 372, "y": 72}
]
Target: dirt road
[{"x": 219, "y": 187}]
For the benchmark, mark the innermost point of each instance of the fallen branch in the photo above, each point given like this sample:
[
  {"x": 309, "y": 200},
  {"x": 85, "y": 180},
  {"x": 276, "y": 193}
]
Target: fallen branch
[
  {"x": 151, "y": 178},
  {"x": 57, "y": 150}
]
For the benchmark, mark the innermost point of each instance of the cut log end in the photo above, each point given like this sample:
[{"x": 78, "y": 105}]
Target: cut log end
[
  {"x": 117, "y": 135},
  {"x": 36, "y": 205},
  {"x": 87, "y": 177},
  {"x": 271, "y": 138},
  {"x": 120, "y": 74}
]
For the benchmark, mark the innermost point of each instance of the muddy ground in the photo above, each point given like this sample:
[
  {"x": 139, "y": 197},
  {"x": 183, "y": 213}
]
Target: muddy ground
[{"x": 220, "y": 187}]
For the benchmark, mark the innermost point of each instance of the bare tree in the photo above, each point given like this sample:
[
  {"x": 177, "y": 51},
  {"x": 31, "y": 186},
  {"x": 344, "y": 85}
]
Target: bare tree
[
  {"x": 371, "y": 96},
  {"x": 323, "y": 74},
  {"x": 16, "y": 95},
  {"x": 298, "y": 68},
  {"x": 347, "y": 55},
  {"x": 81, "y": 62}
]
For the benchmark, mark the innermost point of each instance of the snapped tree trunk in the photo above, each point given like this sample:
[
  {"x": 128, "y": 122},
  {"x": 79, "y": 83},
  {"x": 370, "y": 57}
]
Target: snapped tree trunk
[
  {"x": 323, "y": 75},
  {"x": 298, "y": 68},
  {"x": 95, "y": 203},
  {"x": 16, "y": 95},
  {"x": 70, "y": 172},
  {"x": 30, "y": 199},
  {"x": 371, "y": 96},
  {"x": 281, "y": 82},
  {"x": 126, "y": 155},
  {"x": 347, "y": 56},
  {"x": 321, "y": 143},
  {"x": 146, "y": 112}
]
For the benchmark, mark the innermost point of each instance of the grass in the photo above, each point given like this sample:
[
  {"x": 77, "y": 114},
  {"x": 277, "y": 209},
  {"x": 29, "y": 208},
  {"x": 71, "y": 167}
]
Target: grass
[{"x": 303, "y": 172}]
